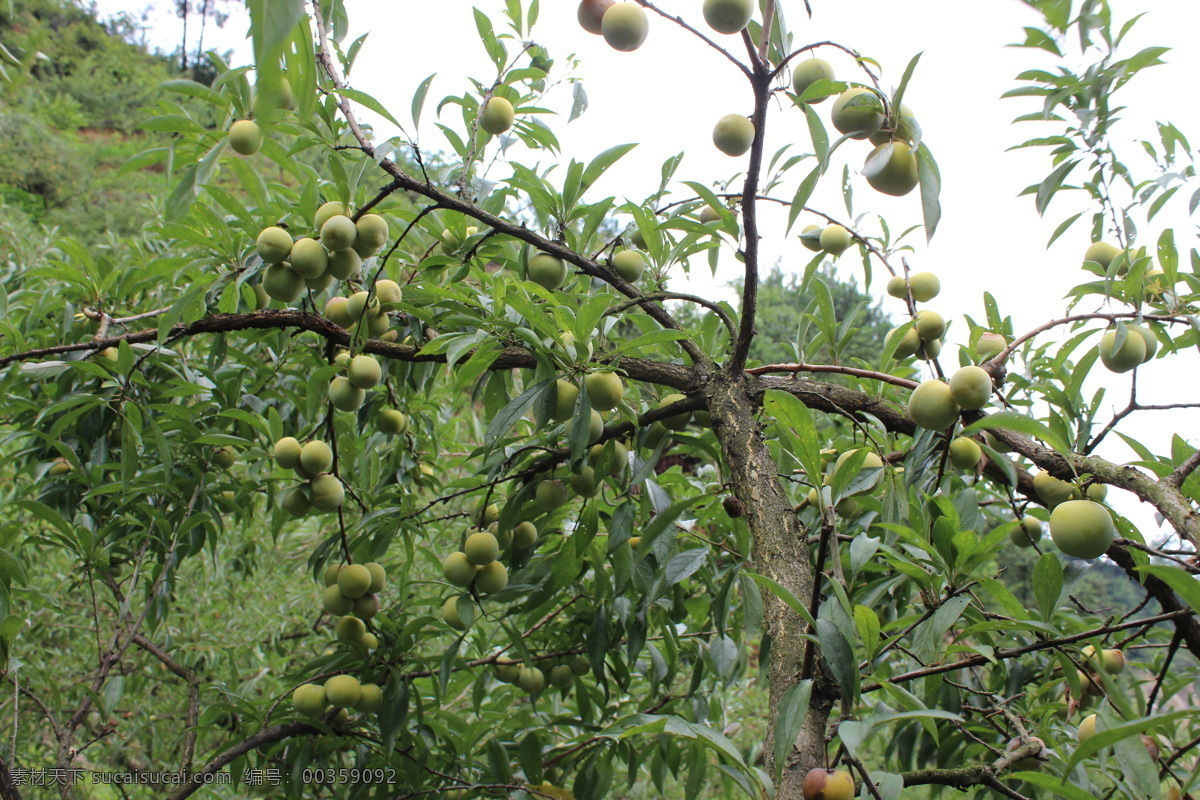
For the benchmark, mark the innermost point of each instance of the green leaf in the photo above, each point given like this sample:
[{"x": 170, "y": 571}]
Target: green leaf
[
  {"x": 271, "y": 23},
  {"x": 931, "y": 188},
  {"x": 513, "y": 411},
  {"x": 867, "y": 622},
  {"x": 789, "y": 719},
  {"x": 1052, "y": 783},
  {"x": 1048, "y": 583},
  {"x": 682, "y": 565},
  {"x": 1110, "y": 736},
  {"x": 797, "y": 421},
  {"x": 364, "y": 99},
  {"x": 898, "y": 98},
  {"x": 1051, "y": 184},
  {"x": 839, "y": 654},
  {"x": 816, "y": 130},
  {"x": 785, "y": 594},
  {"x": 803, "y": 192},
  {"x": 1018, "y": 423},
  {"x": 600, "y": 164},
  {"x": 1184, "y": 584},
  {"x": 929, "y": 638},
  {"x": 418, "y": 101}
]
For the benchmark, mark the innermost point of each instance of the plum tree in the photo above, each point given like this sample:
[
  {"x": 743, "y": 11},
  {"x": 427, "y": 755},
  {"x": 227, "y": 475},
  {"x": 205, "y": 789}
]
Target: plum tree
[{"x": 546, "y": 518}]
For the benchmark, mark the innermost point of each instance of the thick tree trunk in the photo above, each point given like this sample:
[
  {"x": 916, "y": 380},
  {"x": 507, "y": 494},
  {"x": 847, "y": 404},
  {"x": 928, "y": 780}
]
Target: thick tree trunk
[{"x": 780, "y": 554}]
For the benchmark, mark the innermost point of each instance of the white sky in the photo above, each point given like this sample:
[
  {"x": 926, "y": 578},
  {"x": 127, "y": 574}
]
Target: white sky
[{"x": 667, "y": 95}]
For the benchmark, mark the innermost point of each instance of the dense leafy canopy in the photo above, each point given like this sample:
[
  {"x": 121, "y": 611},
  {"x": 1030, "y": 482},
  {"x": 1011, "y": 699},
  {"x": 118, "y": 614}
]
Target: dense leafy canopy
[{"x": 352, "y": 468}]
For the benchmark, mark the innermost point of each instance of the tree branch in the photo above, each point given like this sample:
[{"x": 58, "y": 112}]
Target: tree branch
[
  {"x": 691, "y": 298},
  {"x": 673, "y": 375},
  {"x": 192, "y": 714},
  {"x": 835, "y": 369},
  {"x": 274, "y": 733},
  {"x": 762, "y": 94},
  {"x": 1002, "y": 653},
  {"x": 974, "y": 775},
  {"x": 8, "y": 788},
  {"x": 699, "y": 35},
  {"x": 454, "y": 203}
]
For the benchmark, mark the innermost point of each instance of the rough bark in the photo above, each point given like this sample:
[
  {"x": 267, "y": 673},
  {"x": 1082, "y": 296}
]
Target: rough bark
[{"x": 780, "y": 554}]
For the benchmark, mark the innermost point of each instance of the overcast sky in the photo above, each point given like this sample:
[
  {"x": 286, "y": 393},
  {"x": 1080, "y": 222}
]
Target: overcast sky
[{"x": 667, "y": 96}]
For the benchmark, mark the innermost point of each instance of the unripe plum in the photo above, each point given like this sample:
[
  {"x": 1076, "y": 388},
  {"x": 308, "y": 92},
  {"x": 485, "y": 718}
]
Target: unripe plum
[
  {"x": 273, "y": 245},
  {"x": 338, "y": 233},
  {"x": 364, "y": 372},
  {"x": 605, "y": 390},
  {"x": 891, "y": 168},
  {"x": 316, "y": 457},
  {"x": 1130, "y": 354},
  {"x": 625, "y": 26},
  {"x": 491, "y": 578},
  {"x": 835, "y": 240},
  {"x": 932, "y": 406},
  {"x": 354, "y": 580},
  {"x": 1081, "y": 528},
  {"x": 733, "y": 134},
  {"x": 458, "y": 569},
  {"x": 482, "y": 548},
  {"x": 344, "y": 395},
  {"x": 497, "y": 116},
  {"x": 971, "y": 387},
  {"x": 565, "y": 396},
  {"x": 308, "y": 258},
  {"x": 728, "y": 16},
  {"x": 309, "y": 699},
  {"x": 245, "y": 137},
  {"x": 343, "y": 691},
  {"x": 808, "y": 72},
  {"x": 282, "y": 283},
  {"x": 858, "y": 112}
]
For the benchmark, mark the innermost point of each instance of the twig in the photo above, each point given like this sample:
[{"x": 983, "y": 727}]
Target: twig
[
  {"x": 1001, "y": 654},
  {"x": 192, "y": 715},
  {"x": 883, "y": 377}
]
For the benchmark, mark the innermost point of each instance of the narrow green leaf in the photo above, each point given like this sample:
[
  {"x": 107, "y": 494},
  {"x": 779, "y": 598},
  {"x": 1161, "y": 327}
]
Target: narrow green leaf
[
  {"x": 789, "y": 718},
  {"x": 418, "y": 101},
  {"x": 931, "y": 189},
  {"x": 785, "y": 594},
  {"x": 1048, "y": 583}
]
